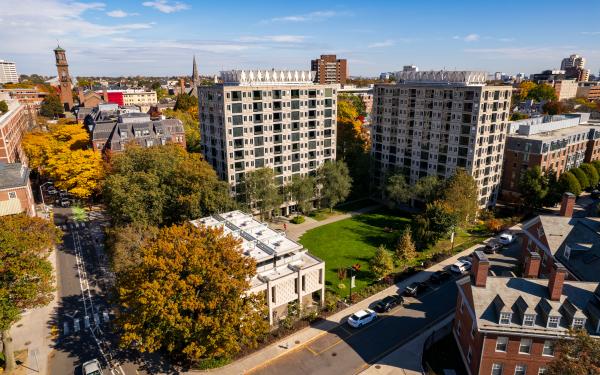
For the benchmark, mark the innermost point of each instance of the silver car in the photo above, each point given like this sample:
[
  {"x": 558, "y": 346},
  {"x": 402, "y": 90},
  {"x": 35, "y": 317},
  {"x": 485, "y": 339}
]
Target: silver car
[{"x": 91, "y": 368}]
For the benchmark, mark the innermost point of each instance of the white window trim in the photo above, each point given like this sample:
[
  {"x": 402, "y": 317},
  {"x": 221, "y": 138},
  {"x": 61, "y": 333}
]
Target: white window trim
[
  {"x": 529, "y": 347},
  {"x": 506, "y": 315},
  {"x": 522, "y": 366},
  {"x": 583, "y": 321},
  {"x": 525, "y": 319},
  {"x": 544, "y": 348},
  {"x": 551, "y": 318},
  {"x": 12, "y": 195},
  {"x": 505, "y": 344},
  {"x": 497, "y": 366}
]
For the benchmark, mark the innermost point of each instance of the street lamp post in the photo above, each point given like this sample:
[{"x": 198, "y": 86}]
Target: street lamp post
[
  {"x": 42, "y": 192},
  {"x": 351, "y": 282}
]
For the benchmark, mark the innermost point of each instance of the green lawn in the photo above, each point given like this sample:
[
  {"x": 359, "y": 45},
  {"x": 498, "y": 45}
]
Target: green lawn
[{"x": 354, "y": 240}]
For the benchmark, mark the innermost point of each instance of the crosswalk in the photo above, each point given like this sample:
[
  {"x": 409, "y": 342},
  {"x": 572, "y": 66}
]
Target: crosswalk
[
  {"x": 75, "y": 325},
  {"x": 76, "y": 225}
]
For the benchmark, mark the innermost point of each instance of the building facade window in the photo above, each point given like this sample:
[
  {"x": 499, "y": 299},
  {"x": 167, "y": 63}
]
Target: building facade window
[
  {"x": 578, "y": 323},
  {"x": 497, "y": 369},
  {"x": 553, "y": 321},
  {"x": 542, "y": 370},
  {"x": 520, "y": 370},
  {"x": 12, "y": 195},
  {"x": 528, "y": 320},
  {"x": 501, "y": 344},
  {"x": 525, "y": 346},
  {"x": 548, "y": 348},
  {"x": 505, "y": 318}
]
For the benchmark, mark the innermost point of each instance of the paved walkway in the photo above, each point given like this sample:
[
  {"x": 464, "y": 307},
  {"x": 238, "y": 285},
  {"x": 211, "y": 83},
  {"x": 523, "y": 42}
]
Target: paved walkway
[
  {"x": 295, "y": 231},
  {"x": 33, "y": 332},
  {"x": 302, "y": 337}
]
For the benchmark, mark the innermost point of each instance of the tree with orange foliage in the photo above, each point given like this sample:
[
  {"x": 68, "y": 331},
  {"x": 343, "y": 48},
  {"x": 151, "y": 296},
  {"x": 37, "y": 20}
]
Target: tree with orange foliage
[{"x": 188, "y": 295}]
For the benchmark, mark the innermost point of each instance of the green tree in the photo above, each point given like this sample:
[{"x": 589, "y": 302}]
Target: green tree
[
  {"x": 441, "y": 218},
  {"x": 596, "y": 164},
  {"x": 591, "y": 173},
  {"x": 185, "y": 102},
  {"x": 51, "y": 106},
  {"x": 261, "y": 189},
  {"x": 406, "y": 250},
  {"x": 3, "y": 106},
  {"x": 554, "y": 194},
  {"x": 533, "y": 186},
  {"x": 162, "y": 185},
  {"x": 187, "y": 295},
  {"x": 382, "y": 263},
  {"x": 335, "y": 182},
  {"x": 554, "y": 108},
  {"x": 584, "y": 182},
  {"x": 460, "y": 194},
  {"x": 26, "y": 279},
  {"x": 302, "y": 190},
  {"x": 356, "y": 102},
  {"x": 577, "y": 355},
  {"x": 191, "y": 125},
  {"x": 397, "y": 189},
  {"x": 516, "y": 116},
  {"x": 427, "y": 188},
  {"x": 542, "y": 92},
  {"x": 567, "y": 182}
]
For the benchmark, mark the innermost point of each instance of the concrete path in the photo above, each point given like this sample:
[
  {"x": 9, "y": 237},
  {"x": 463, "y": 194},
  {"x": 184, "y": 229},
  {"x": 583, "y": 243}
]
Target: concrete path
[
  {"x": 295, "y": 231},
  {"x": 34, "y": 333},
  {"x": 299, "y": 339}
]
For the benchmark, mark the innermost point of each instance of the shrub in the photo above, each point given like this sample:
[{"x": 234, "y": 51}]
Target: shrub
[
  {"x": 494, "y": 225},
  {"x": 297, "y": 220}
]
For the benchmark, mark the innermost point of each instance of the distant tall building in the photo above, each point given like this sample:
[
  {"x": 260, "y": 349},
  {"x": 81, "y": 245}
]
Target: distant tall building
[
  {"x": 329, "y": 69},
  {"x": 431, "y": 123},
  {"x": 8, "y": 72},
  {"x": 277, "y": 119},
  {"x": 573, "y": 61},
  {"x": 66, "y": 95},
  {"x": 195, "y": 78}
]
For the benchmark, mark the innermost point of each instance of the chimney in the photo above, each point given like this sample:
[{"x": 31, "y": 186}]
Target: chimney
[
  {"x": 557, "y": 279},
  {"x": 81, "y": 96},
  {"x": 566, "y": 207},
  {"x": 532, "y": 265},
  {"x": 480, "y": 268},
  {"x": 105, "y": 95}
]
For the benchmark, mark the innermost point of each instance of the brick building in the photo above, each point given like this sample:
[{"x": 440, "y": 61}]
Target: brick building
[
  {"x": 553, "y": 143},
  {"x": 510, "y": 325},
  {"x": 430, "y": 123},
  {"x": 13, "y": 125},
  {"x": 15, "y": 190},
  {"x": 32, "y": 98},
  {"x": 329, "y": 69}
]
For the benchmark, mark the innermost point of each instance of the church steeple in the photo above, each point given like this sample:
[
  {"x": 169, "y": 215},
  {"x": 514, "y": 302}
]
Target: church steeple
[{"x": 195, "y": 78}]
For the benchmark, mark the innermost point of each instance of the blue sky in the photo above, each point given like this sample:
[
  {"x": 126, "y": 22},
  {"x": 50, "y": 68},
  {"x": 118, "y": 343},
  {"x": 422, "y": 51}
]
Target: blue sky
[{"x": 159, "y": 37}]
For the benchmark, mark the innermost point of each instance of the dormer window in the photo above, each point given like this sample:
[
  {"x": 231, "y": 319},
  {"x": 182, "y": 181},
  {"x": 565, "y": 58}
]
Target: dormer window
[
  {"x": 553, "y": 321},
  {"x": 528, "y": 320},
  {"x": 578, "y": 323},
  {"x": 124, "y": 135},
  {"x": 505, "y": 318}
]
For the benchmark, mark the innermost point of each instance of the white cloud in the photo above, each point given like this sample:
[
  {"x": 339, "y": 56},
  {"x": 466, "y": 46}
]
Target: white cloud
[
  {"x": 118, "y": 13},
  {"x": 274, "y": 38},
  {"x": 312, "y": 16},
  {"x": 467, "y": 38},
  {"x": 385, "y": 43},
  {"x": 165, "y": 6},
  {"x": 554, "y": 53},
  {"x": 590, "y": 32}
]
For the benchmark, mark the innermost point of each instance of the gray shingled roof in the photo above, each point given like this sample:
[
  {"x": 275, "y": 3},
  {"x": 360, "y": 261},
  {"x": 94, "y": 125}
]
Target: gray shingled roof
[{"x": 13, "y": 175}]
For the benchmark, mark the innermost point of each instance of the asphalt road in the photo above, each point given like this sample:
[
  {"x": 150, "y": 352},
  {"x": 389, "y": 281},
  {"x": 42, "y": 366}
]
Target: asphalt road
[{"x": 346, "y": 350}]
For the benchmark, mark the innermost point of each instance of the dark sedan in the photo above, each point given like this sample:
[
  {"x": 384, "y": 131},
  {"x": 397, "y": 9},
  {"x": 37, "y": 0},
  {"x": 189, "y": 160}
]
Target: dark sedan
[
  {"x": 388, "y": 303},
  {"x": 415, "y": 289},
  {"x": 439, "y": 277}
]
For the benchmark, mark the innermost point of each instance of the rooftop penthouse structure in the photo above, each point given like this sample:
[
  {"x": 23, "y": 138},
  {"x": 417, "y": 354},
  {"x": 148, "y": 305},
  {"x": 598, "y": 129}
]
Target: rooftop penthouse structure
[{"x": 285, "y": 271}]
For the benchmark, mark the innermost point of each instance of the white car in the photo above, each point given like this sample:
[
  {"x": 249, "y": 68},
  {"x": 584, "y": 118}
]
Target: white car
[
  {"x": 91, "y": 368},
  {"x": 506, "y": 238},
  {"x": 461, "y": 266},
  {"x": 362, "y": 317}
]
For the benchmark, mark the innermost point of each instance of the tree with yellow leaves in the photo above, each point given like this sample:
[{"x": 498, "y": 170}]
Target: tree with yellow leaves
[
  {"x": 187, "y": 293},
  {"x": 61, "y": 154}
]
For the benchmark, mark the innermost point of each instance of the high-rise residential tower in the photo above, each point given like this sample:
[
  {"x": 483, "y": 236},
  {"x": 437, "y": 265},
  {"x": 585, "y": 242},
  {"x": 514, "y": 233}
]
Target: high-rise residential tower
[
  {"x": 573, "y": 61},
  {"x": 329, "y": 69},
  {"x": 433, "y": 122},
  {"x": 267, "y": 118},
  {"x": 66, "y": 86},
  {"x": 8, "y": 72}
]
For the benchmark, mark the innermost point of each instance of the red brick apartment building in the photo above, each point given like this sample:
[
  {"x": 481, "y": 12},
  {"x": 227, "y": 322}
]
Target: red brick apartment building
[
  {"x": 13, "y": 125},
  {"x": 15, "y": 190},
  {"x": 329, "y": 69},
  {"x": 553, "y": 143},
  {"x": 571, "y": 241},
  {"x": 509, "y": 325}
]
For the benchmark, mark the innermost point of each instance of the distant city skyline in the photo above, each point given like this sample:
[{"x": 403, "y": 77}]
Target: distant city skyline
[{"x": 160, "y": 37}]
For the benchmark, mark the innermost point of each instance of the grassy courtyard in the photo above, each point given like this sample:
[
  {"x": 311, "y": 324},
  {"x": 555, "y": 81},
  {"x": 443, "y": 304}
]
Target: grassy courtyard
[
  {"x": 346, "y": 242},
  {"x": 354, "y": 240}
]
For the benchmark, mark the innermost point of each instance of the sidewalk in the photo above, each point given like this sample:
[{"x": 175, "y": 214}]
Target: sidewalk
[
  {"x": 406, "y": 360},
  {"x": 33, "y": 333},
  {"x": 308, "y": 334},
  {"x": 295, "y": 231}
]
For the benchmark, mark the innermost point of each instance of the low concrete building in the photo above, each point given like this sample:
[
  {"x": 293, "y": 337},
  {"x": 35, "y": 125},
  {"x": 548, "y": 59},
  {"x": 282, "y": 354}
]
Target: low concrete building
[
  {"x": 286, "y": 273},
  {"x": 565, "y": 89},
  {"x": 589, "y": 90},
  {"x": 15, "y": 190}
]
